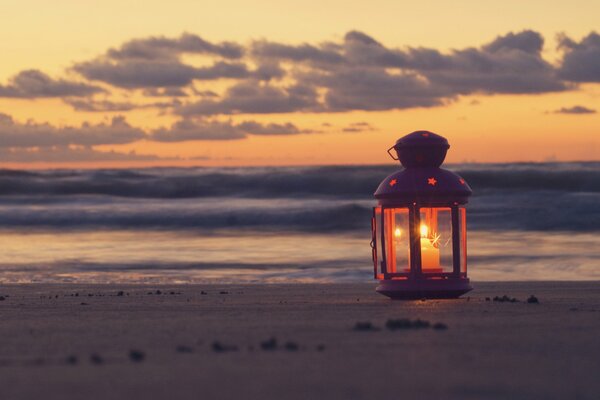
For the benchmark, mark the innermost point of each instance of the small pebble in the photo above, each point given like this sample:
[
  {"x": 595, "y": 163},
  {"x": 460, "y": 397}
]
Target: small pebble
[
  {"x": 2, "y": 298},
  {"x": 203, "y": 292},
  {"x": 270, "y": 344},
  {"x": 223, "y": 292},
  {"x": 533, "y": 300},
  {"x": 120, "y": 293},
  {"x": 321, "y": 347},
  {"x": 158, "y": 292},
  {"x": 72, "y": 360},
  {"x": 291, "y": 346},
  {"x": 96, "y": 359},
  {"x": 405, "y": 323},
  {"x": 487, "y": 299},
  {"x": 184, "y": 349},
  {"x": 136, "y": 355},
  {"x": 505, "y": 298},
  {"x": 365, "y": 327},
  {"x": 84, "y": 304},
  {"x": 221, "y": 348}
]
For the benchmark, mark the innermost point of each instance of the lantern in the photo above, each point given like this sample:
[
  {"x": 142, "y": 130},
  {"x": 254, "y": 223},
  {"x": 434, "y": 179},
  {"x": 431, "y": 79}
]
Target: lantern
[{"x": 419, "y": 225}]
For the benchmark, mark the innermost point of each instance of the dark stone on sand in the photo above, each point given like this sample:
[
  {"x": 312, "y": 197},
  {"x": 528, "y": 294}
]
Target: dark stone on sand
[
  {"x": 184, "y": 349},
  {"x": 440, "y": 326},
  {"x": 365, "y": 327},
  {"x": 405, "y": 323},
  {"x": 2, "y": 298},
  {"x": 203, "y": 292},
  {"x": 291, "y": 346},
  {"x": 171, "y": 293},
  {"x": 96, "y": 359},
  {"x": 149, "y": 293},
  {"x": 533, "y": 300},
  {"x": 219, "y": 347},
  {"x": 505, "y": 298},
  {"x": 487, "y": 299},
  {"x": 120, "y": 293},
  {"x": 320, "y": 347},
  {"x": 158, "y": 292},
  {"x": 84, "y": 304},
  {"x": 136, "y": 355},
  {"x": 72, "y": 360},
  {"x": 270, "y": 344},
  {"x": 223, "y": 292}
]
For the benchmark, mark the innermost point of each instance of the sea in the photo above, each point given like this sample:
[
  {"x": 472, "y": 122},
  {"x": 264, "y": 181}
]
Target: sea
[{"x": 526, "y": 221}]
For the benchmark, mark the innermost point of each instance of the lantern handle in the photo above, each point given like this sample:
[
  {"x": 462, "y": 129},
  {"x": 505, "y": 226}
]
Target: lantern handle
[{"x": 391, "y": 154}]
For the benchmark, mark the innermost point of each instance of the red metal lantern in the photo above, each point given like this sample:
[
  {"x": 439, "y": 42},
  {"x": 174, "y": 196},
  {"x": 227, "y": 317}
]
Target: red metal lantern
[{"x": 419, "y": 226}]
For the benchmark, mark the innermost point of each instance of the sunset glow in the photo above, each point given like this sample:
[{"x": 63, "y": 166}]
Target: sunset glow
[{"x": 124, "y": 85}]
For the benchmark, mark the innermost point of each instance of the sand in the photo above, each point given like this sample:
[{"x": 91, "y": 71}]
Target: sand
[{"x": 88, "y": 342}]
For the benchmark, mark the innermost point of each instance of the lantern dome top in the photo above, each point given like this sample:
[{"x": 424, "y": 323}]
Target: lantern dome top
[
  {"x": 421, "y": 149},
  {"x": 422, "y": 181}
]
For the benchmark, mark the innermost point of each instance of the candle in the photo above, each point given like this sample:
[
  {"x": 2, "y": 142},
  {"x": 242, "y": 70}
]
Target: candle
[{"x": 430, "y": 255}]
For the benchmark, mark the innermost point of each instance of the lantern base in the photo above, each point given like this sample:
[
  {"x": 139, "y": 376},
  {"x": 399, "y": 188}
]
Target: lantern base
[{"x": 415, "y": 289}]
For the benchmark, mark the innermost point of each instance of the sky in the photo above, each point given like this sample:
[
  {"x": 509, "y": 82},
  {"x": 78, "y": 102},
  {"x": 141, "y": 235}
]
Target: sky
[{"x": 233, "y": 83}]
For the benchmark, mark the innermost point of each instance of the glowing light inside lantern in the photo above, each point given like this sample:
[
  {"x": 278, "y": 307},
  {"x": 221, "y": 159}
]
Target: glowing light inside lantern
[
  {"x": 424, "y": 230},
  {"x": 397, "y": 233}
]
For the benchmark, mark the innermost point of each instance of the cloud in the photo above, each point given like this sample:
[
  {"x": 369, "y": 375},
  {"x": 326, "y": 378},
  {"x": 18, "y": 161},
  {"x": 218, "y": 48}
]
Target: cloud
[
  {"x": 160, "y": 47},
  {"x": 155, "y": 62},
  {"x": 90, "y": 105},
  {"x": 58, "y": 154},
  {"x": 32, "y": 83},
  {"x": 165, "y": 92},
  {"x": 253, "y": 97},
  {"x": 510, "y": 64},
  {"x": 31, "y": 134},
  {"x": 255, "y": 128},
  {"x": 375, "y": 89},
  {"x": 188, "y": 129},
  {"x": 355, "y": 73},
  {"x": 325, "y": 54},
  {"x": 133, "y": 74},
  {"x": 360, "y": 73},
  {"x": 357, "y": 127},
  {"x": 575, "y": 110},
  {"x": 581, "y": 60}
]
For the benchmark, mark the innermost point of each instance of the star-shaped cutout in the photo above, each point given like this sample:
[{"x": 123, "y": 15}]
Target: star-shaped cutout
[
  {"x": 462, "y": 181},
  {"x": 393, "y": 182},
  {"x": 431, "y": 181},
  {"x": 425, "y": 134}
]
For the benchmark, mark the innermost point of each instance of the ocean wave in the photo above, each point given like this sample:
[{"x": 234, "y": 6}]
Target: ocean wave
[
  {"x": 335, "y": 181},
  {"x": 561, "y": 196},
  {"x": 539, "y": 211}
]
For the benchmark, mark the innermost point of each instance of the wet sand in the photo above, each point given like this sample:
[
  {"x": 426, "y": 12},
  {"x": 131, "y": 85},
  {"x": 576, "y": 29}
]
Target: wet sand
[{"x": 216, "y": 342}]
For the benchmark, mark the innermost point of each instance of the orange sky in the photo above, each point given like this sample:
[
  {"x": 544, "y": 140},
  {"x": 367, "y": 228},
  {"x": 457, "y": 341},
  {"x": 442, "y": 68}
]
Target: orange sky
[{"x": 482, "y": 124}]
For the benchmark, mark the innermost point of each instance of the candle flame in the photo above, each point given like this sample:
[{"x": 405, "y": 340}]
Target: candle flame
[
  {"x": 424, "y": 230},
  {"x": 398, "y": 233}
]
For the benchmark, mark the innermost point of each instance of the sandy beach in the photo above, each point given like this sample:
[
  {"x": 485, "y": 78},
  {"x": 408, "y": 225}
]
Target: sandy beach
[{"x": 297, "y": 341}]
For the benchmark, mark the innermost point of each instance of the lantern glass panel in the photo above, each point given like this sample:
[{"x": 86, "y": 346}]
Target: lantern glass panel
[
  {"x": 436, "y": 240},
  {"x": 397, "y": 240},
  {"x": 399, "y": 233},
  {"x": 377, "y": 254},
  {"x": 462, "y": 221}
]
